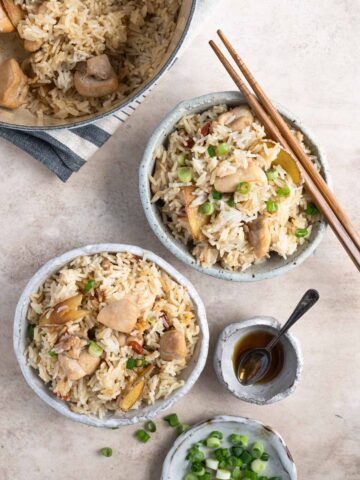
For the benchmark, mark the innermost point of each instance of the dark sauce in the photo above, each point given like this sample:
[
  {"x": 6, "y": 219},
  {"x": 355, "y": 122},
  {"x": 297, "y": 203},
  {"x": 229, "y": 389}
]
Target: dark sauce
[{"x": 260, "y": 338}]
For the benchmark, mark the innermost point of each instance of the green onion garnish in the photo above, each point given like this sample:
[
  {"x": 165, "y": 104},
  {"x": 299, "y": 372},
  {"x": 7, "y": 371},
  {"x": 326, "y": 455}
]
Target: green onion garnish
[
  {"x": 243, "y": 188},
  {"x": 207, "y": 208},
  {"x": 271, "y": 206},
  {"x": 106, "y": 451},
  {"x": 94, "y": 349},
  {"x": 217, "y": 195},
  {"x": 284, "y": 191},
  {"x": 181, "y": 159},
  {"x": 257, "y": 449},
  {"x": 184, "y": 174},
  {"x": 272, "y": 174},
  {"x": 172, "y": 420},
  {"x": 265, "y": 457},
  {"x": 231, "y": 202},
  {"x": 142, "y": 436},
  {"x": 182, "y": 428},
  {"x": 213, "y": 442},
  {"x": 30, "y": 331},
  {"x": 211, "y": 152},
  {"x": 301, "y": 232},
  {"x": 216, "y": 434},
  {"x": 52, "y": 354},
  {"x": 140, "y": 362},
  {"x": 311, "y": 209},
  {"x": 150, "y": 426},
  {"x": 223, "y": 148},
  {"x": 90, "y": 285},
  {"x": 131, "y": 363}
]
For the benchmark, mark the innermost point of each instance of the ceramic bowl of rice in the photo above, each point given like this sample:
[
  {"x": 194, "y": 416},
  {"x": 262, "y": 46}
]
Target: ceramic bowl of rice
[
  {"x": 224, "y": 198},
  {"x": 110, "y": 335}
]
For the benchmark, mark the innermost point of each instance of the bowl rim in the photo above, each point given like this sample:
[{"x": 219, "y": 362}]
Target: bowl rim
[
  {"x": 146, "y": 88},
  {"x": 256, "y": 321},
  {"x": 226, "y": 419},
  {"x": 202, "y": 103},
  {"x": 41, "y": 389}
]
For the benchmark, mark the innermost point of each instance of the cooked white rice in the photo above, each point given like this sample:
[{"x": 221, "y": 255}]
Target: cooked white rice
[
  {"x": 163, "y": 303},
  {"x": 135, "y": 34},
  {"x": 224, "y": 238}
]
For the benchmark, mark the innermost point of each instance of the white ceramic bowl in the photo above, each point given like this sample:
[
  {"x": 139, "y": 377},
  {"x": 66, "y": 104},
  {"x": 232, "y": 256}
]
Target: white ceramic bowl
[
  {"x": 281, "y": 462},
  {"x": 190, "y": 374},
  {"x": 277, "y": 389},
  {"x": 272, "y": 267}
]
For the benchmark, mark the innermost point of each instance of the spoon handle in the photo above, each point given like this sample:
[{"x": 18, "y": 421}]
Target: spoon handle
[{"x": 308, "y": 300}]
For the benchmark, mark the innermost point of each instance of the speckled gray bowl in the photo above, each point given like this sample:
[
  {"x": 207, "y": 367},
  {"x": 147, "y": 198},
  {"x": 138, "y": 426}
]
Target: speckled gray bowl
[
  {"x": 281, "y": 462},
  {"x": 269, "y": 269},
  {"x": 190, "y": 374},
  {"x": 277, "y": 389}
]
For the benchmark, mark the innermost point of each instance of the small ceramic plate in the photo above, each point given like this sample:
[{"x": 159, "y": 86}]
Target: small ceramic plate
[{"x": 281, "y": 464}]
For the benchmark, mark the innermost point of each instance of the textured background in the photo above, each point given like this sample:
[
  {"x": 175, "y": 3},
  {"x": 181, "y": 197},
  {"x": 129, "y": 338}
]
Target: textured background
[{"x": 306, "y": 54}]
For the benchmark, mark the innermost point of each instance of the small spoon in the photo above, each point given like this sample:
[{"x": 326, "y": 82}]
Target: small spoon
[{"x": 255, "y": 363}]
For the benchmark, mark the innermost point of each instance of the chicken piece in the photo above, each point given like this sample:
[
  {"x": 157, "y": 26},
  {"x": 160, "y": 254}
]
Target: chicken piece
[
  {"x": 63, "y": 312},
  {"x": 95, "y": 77},
  {"x": 195, "y": 218},
  {"x": 121, "y": 315},
  {"x": 5, "y": 24},
  {"x": 71, "y": 345},
  {"x": 75, "y": 369},
  {"x": 173, "y": 346},
  {"x": 237, "y": 119},
  {"x": 13, "y": 84},
  {"x": 252, "y": 174},
  {"x": 14, "y": 12},
  {"x": 259, "y": 236}
]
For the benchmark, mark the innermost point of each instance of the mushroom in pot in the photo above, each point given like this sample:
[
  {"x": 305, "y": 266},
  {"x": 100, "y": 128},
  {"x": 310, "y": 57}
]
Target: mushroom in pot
[
  {"x": 173, "y": 346},
  {"x": 259, "y": 235},
  {"x": 252, "y": 174},
  {"x": 237, "y": 119},
  {"x": 95, "y": 77},
  {"x": 13, "y": 84},
  {"x": 121, "y": 315}
]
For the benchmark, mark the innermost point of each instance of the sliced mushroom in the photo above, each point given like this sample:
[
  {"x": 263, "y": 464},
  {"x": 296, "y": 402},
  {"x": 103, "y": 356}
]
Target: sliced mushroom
[
  {"x": 173, "y": 346},
  {"x": 26, "y": 67},
  {"x": 121, "y": 315},
  {"x": 14, "y": 12},
  {"x": 13, "y": 84},
  {"x": 95, "y": 77},
  {"x": 252, "y": 173},
  {"x": 32, "y": 45},
  {"x": 75, "y": 369},
  {"x": 63, "y": 312},
  {"x": 5, "y": 24},
  {"x": 195, "y": 218},
  {"x": 237, "y": 119},
  {"x": 259, "y": 236}
]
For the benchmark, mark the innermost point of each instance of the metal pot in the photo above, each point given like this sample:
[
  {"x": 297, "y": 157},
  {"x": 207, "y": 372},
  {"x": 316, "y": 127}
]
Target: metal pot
[{"x": 22, "y": 119}]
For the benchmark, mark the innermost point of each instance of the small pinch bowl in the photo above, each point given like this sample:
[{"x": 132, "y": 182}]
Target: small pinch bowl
[
  {"x": 279, "y": 387},
  {"x": 281, "y": 463},
  {"x": 275, "y": 265},
  {"x": 190, "y": 374}
]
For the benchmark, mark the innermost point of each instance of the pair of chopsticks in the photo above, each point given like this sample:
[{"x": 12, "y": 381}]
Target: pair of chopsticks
[{"x": 278, "y": 130}]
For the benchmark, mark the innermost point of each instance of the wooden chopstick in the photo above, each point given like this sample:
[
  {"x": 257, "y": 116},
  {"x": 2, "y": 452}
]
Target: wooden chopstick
[{"x": 347, "y": 236}]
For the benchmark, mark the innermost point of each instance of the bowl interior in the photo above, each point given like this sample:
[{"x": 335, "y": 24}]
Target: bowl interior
[
  {"x": 281, "y": 464},
  {"x": 189, "y": 375},
  {"x": 273, "y": 266},
  {"x": 269, "y": 392},
  {"x": 11, "y": 46}
]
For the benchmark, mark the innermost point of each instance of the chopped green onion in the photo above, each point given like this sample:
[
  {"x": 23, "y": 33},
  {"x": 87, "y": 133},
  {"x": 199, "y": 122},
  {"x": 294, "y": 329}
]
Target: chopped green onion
[
  {"x": 267, "y": 478},
  {"x": 115, "y": 428},
  {"x": 140, "y": 362},
  {"x": 284, "y": 191},
  {"x": 249, "y": 475},
  {"x": 213, "y": 442},
  {"x": 236, "y": 474},
  {"x": 223, "y": 148},
  {"x": 184, "y": 174},
  {"x": 272, "y": 174},
  {"x": 257, "y": 449},
  {"x": 191, "y": 476},
  {"x": 211, "y": 151},
  {"x": 206, "y": 476},
  {"x": 94, "y": 349},
  {"x": 217, "y": 195},
  {"x": 131, "y": 363},
  {"x": 207, "y": 208},
  {"x": 181, "y": 159},
  {"x": 150, "y": 426},
  {"x": 246, "y": 457},
  {"x": 275, "y": 478},
  {"x": 271, "y": 206},
  {"x": 30, "y": 331},
  {"x": 182, "y": 428},
  {"x": 53, "y": 354},
  {"x": 223, "y": 475},
  {"x": 237, "y": 451},
  {"x": 212, "y": 463},
  {"x": 222, "y": 464},
  {"x": 195, "y": 455},
  {"x": 258, "y": 466},
  {"x": 222, "y": 454},
  {"x": 265, "y": 457},
  {"x": 239, "y": 440},
  {"x": 172, "y": 420},
  {"x": 301, "y": 232},
  {"x": 142, "y": 436},
  {"x": 231, "y": 202},
  {"x": 198, "y": 468},
  {"x": 243, "y": 188},
  {"x": 90, "y": 285},
  {"x": 216, "y": 434},
  {"x": 234, "y": 462},
  {"x": 106, "y": 451},
  {"x": 311, "y": 209}
]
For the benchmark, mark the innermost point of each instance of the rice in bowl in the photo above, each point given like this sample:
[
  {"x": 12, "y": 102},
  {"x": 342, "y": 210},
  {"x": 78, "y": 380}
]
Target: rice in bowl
[
  {"x": 122, "y": 363},
  {"x": 223, "y": 190}
]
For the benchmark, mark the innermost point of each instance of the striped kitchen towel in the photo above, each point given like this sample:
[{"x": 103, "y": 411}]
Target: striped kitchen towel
[{"x": 64, "y": 151}]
